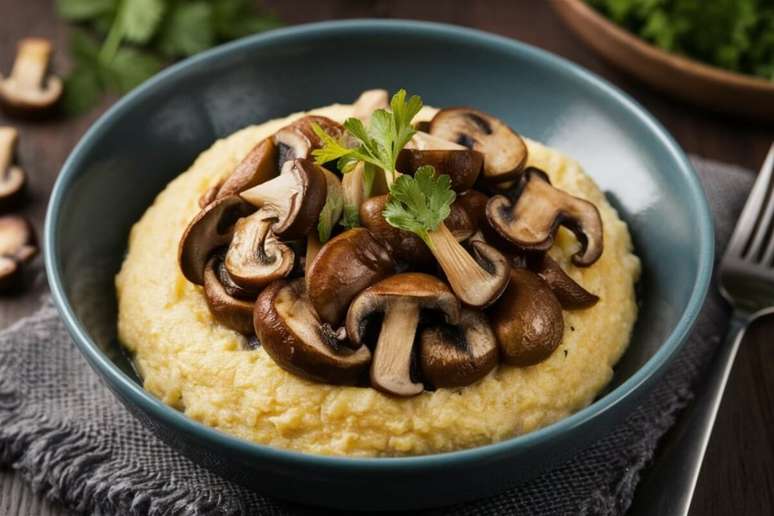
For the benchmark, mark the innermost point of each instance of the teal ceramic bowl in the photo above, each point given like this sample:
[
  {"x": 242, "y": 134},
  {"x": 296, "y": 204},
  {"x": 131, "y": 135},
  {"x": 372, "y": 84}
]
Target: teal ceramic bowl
[{"x": 155, "y": 132}]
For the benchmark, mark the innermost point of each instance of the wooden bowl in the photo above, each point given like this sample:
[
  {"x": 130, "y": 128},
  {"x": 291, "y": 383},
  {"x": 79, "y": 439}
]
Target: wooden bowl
[{"x": 695, "y": 82}]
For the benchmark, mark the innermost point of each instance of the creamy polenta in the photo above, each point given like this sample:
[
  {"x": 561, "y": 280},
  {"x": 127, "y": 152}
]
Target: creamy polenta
[{"x": 207, "y": 371}]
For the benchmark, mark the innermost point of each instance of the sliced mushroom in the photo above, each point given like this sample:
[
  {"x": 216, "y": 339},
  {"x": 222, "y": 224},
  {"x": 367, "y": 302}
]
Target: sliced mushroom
[
  {"x": 295, "y": 197},
  {"x": 29, "y": 89},
  {"x": 368, "y": 102},
  {"x": 12, "y": 178},
  {"x": 298, "y": 140},
  {"x": 210, "y": 229},
  {"x": 255, "y": 257},
  {"x": 569, "y": 293},
  {"x": 527, "y": 320},
  {"x": 294, "y": 337},
  {"x": 408, "y": 247},
  {"x": 400, "y": 298},
  {"x": 505, "y": 152},
  {"x": 259, "y": 166},
  {"x": 17, "y": 248},
  {"x": 346, "y": 264},
  {"x": 458, "y": 355},
  {"x": 225, "y": 299},
  {"x": 530, "y": 220},
  {"x": 422, "y": 140},
  {"x": 479, "y": 281},
  {"x": 462, "y": 166}
]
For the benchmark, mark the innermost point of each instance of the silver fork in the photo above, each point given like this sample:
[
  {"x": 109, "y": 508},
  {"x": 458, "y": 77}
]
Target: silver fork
[{"x": 746, "y": 276}]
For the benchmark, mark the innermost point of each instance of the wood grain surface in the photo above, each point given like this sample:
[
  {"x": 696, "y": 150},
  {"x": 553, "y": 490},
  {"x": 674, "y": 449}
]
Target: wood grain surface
[{"x": 738, "y": 475}]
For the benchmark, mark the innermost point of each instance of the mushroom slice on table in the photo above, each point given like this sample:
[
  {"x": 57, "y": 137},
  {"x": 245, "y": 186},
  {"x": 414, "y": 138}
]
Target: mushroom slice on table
[
  {"x": 210, "y": 229},
  {"x": 29, "y": 89},
  {"x": 255, "y": 257},
  {"x": 477, "y": 280},
  {"x": 17, "y": 248},
  {"x": 296, "y": 197},
  {"x": 458, "y": 355},
  {"x": 343, "y": 267},
  {"x": 570, "y": 294},
  {"x": 298, "y": 140},
  {"x": 368, "y": 102},
  {"x": 527, "y": 320},
  {"x": 462, "y": 166},
  {"x": 531, "y": 218},
  {"x": 505, "y": 152},
  {"x": 292, "y": 334},
  {"x": 228, "y": 303},
  {"x": 12, "y": 178},
  {"x": 400, "y": 298}
]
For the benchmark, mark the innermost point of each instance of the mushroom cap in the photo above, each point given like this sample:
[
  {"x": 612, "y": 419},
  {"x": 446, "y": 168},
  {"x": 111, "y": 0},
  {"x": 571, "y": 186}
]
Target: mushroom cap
[
  {"x": 297, "y": 140},
  {"x": 211, "y": 228},
  {"x": 296, "y": 197},
  {"x": 422, "y": 140},
  {"x": 570, "y": 294},
  {"x": 27, "y": 89},
  {"x": 458, "y": 355},
  {"x": 259, "y": 166},
  {"x": 255, "y": 257},
  {"x": 505, "y": 152},
  {"x": 532, "y": 219},
  {"x": 228, "y": 309},
  {"x": 527, "y": 320},
  {"x": 462, "y": 166},
  {"x": 422, "y": 290},
  {"x": 17, "y": 248},
  {"x": 294, "y": 337},
  {"x": 344, "y": 266}
]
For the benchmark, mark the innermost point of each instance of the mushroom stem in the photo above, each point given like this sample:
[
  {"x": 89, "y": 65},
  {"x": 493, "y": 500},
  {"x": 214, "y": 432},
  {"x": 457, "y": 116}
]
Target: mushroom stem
[
  {"x": 275, "y": 194},
  {"x": 31, "y": 64},
  {"x": 8, "y": 137},
  {"x": 391, "y": 367},
  {"x": 466, "y": 277}
]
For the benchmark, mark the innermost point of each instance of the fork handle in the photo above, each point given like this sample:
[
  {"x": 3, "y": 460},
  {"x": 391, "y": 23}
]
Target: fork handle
[{"x": 670, "y": 483}]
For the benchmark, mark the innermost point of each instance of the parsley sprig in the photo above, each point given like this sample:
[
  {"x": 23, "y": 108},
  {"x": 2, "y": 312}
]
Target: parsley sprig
[
  {"x": 120, "y": 43},
  {"x": 418, "y": 204}
]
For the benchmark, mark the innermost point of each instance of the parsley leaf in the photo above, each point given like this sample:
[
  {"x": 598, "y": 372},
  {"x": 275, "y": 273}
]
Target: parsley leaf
[
  {"x": 80, "y": 10},
  {"x": 350, "y": 217},
  {"x": 421, "y": 203},
  {"x": 187, "y": 30},
  {"x": 330, "y": 214},
  {"x": 130, "y": 67},
  {"x": 139, "y": 19}
]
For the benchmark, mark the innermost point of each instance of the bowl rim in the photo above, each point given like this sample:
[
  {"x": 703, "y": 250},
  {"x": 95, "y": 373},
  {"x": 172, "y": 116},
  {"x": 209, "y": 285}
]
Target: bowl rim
[{"x": 135, "y": 394}]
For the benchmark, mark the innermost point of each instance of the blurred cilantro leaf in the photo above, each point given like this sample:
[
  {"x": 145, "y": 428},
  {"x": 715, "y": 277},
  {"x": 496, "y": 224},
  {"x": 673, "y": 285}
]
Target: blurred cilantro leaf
[{"x": 119, "y": 43}]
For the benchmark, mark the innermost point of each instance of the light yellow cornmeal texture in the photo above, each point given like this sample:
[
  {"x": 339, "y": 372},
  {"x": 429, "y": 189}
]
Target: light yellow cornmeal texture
[{"x": 203, "y": 369}]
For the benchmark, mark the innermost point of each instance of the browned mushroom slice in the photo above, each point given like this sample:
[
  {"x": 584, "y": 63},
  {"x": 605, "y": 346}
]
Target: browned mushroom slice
[
  {"x": 569, "y": 293},
  {"x": 296, "y": 197},
  {"x": 368, "y": 102},
  {"x": 211, "y": 228},
  {"x": 294, "y": 337},
  {"x": 17, "y": 248},
  {"x": 344, "y": 266},
  {"x": 408, "y": 247},
  {"x": 505, "y": 152},
  {"x": 225, "y": 299},
  {"x": 527, "y": 320},
  {"x": 458, "y": 355},
  {"x": 259, "y": 166},
  {"x": 298, "y": 139},
  {"x": 462, "y": 166},
  {"x": 12, "y": 178},
  {"x": 255, "y": 257},
  {"x": 531, "y": 219},
  {"x": 400, "y": 298},
  {"x": 29, "y": 89},
  {"x": 477, "y": 280}
]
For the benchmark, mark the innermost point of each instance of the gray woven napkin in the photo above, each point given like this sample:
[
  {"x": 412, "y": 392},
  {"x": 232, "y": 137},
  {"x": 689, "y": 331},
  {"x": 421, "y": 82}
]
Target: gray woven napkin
[{"x": 63, "y": 431}]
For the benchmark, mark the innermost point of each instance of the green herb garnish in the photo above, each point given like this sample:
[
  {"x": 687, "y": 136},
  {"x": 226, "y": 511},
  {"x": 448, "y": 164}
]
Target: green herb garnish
[
  {"x": 418, "y": 204},
  {"x": 329, "y": 215},
  {"x": 120, "y": 43}
]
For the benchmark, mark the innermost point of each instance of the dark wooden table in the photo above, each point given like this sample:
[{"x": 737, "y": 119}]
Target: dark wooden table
[{"x": 738, "y": 473}]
